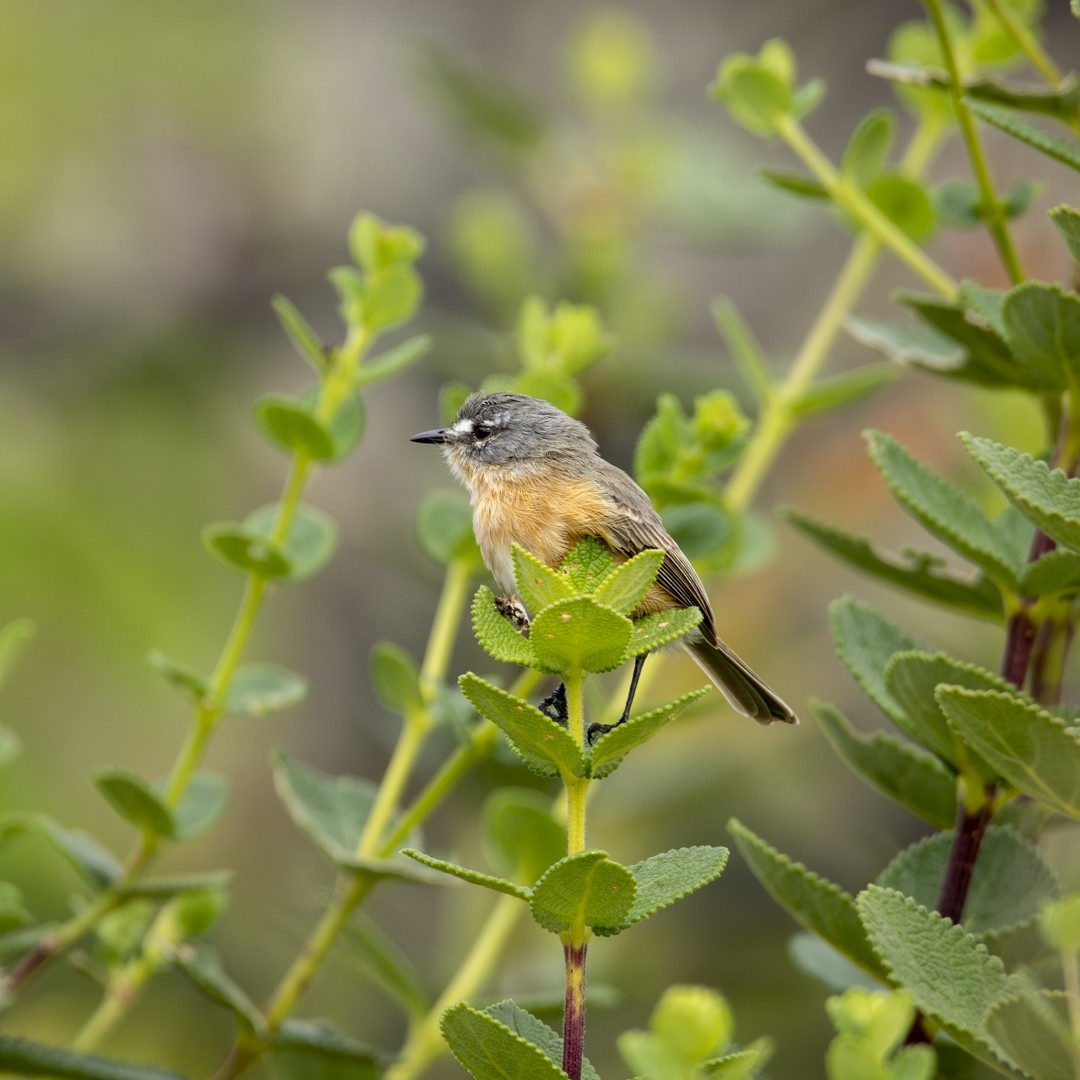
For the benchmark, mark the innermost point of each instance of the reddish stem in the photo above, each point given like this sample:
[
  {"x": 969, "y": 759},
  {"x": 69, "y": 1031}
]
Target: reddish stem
[{"x": 574, "y": 1012}]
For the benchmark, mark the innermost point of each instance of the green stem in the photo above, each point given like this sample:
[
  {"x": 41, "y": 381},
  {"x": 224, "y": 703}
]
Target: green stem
[
  {"x": 1026, "y": 42},
  {"x": 992, "y": 207},
  {"x": 577, "y": 787},
  {"x": 445, "y": 626}
]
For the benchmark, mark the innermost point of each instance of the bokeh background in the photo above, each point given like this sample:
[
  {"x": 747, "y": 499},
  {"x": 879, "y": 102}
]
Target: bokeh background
[{"x": 164, "y": 170}]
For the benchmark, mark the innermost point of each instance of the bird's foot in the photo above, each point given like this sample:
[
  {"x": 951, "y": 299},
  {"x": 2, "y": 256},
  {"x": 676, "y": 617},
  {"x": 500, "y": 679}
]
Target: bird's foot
[{"x": 554, "y": 705}]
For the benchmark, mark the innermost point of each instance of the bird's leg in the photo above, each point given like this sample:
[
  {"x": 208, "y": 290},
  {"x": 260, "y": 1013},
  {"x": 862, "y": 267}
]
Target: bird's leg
[
  {"x": 596, "y": 730},
  {"x": 554, "y": 705}
]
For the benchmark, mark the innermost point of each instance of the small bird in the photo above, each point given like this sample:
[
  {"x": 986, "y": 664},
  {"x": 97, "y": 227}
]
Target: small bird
[{"x": 537, "y": 479}]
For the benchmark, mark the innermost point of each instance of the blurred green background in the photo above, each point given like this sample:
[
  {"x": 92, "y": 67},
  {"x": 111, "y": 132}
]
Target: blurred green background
[{"x": 164, "y": 169}]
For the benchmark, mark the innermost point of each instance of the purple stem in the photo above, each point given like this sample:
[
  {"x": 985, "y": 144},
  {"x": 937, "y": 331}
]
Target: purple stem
[{"x": 574, "y": 1012}]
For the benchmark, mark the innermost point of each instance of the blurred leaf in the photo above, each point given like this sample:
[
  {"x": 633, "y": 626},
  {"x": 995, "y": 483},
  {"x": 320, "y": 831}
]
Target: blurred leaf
[
  {"x": 13, "y": 913},
  {"x": 522, "y": 839},
  {"x": 607, "y": 753},
  {"x": 395, "y": 676},
  {"x": 817, "y": 904},
  {"x": 294, "y": 427},
  {"x": 136, "y": 800},
  {"x": 1042, "y": 324},
  {"x": 906, "y": 203},
  {"x": 375, "y": 245},
  {"x": 944, "y": 510},
  {"x": 316, "y": 1050},
  {"x": 1043, "y": 495},
  {"x": 258, "y": 689},
  {"x": 611, "y": 59},
  {"x": 1032, "y": 1027},
  {"x": 393, "y": 361},
  {"x": 9, "y": 745},
  {"x": 818, "y": 959},
  {"x": 496, "y": 634},
  {"x": 175, "y": 884},
  {"x": 585, "y": 888},
  {"x": 795, "y": 183},
  {"x": 919, "y": 572},
  {"x": 1036, "y": 752},
  {"x": 245, "y": 550},
  {"x": 473, "y": 877},
  {"x": 1066, "y": 220},
  {"x": 545, "y": 746},
  {"x": 835, "y": 391},
  {"x": 13, "y": 639},
  {"x": 188, "y": 681},
  {"x": 868, "y": 149},
  {"x": 22, "y": 1057},
  {"x": 705, "y": 530},
  {"x": 304, "y": 339},
  {"x": 93, "y": 861},
  {"x": 579, "y": 635},
  {"x": 1060, "y": 923},
  {"x": 625, "y": 587},
  {"x": 902, "y": 771},
  {"x": 309, "y": 544},
  {"x": 664, "y": 879},
  {"x": 958, "y": 204},
  {"x": 390, "y": 296},
  {"x": 652, "y": 631},
  {"x": 758, "y": 90},
  {"x": 444, "y": 528},
  {"x": 202, "y": 803},
  {"x": 745, "y": 349},
  {"x": 1056, "y": 572},
  {"x": 1058, "y": 149},
  {"x": 488, "y": 1049},
  {"x": 538, "y": 585},
  {"x": 388, "y": 965}
]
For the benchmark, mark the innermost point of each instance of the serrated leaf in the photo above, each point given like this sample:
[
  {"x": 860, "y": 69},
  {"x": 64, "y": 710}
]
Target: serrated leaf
[
  {"x": 607, "y": 753},
  {"x": 202, "y": 965},
  {"x": 1046, "y": 496},
  {"x": 538, "y": 585},
  {"x": 943, "y": 509},
  {"x": 444, "y": 528},
  {"x": 625, "y": 587},
  {"x": 1042, "y": 326},
  {"x": 664, "y": 879},
  {"x": 536, "y": 1032},
  {"x": 579, "y": 635},
  {"x": 258, "y": 689},
  {"x": 489, "y": 1050},
  {"x": 395, "y": 676},
  {"x": 1068, "y": 153},
  {"x": 1066, "y": 220},
  {"x": 136, "y": 800},
  {"x": 868, "y": 148},
  {"x": 1033, "y": 750},
  {"x": 316, "y": 1050},
  {"x": 393, "y": 361},
  {"x": 1057, "y": 573},
  {"x": 950, "y": 976},
  {"x": 586, "y": 888},
  {"x": 21, "y": 1057},
  {"x": 543, "y": 744},
  {"x": 1010, "y": 883},
  {"x": 495, "y": 633},
  {"x": 184, "y": 679},
  {"x": 202, "y": 803},
  {"x": 385, "y": 962},
  {"x": 816, "y": 904},
  {"x": 902, "y": 771},
  {"x": 658, "y": 629},
  {"x": 915, "y": 572},
  {"x": 1032, "y": 1027},
  {"x": 522, "y": 839},
  {"x": 310, "y": 541},
  {"x": 586, "y": 564},
  {"x": 865, "y": 641},
  {"x": 304, "y": 339}
]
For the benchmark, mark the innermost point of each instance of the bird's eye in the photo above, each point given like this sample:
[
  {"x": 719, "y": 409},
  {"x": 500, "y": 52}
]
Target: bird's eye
[{"x": 481, "y": 431}]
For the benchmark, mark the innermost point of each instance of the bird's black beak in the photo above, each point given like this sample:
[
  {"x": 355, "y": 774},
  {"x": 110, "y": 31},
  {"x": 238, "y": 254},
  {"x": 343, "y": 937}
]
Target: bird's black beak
[{"x": 441, "y": 435}]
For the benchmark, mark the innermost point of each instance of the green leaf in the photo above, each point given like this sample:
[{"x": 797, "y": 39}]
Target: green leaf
[
  {"x": 818, "y": 959},
  {"x": 497, "y": 636},
  {"x": 246, "y": 551},
  {"x": 21, "y": 1057},
  {"x": 304, "y": 339},
  {"x": 395, "y": 676},
  {"x": 489, "y": 1049},
  {"x": 522, "y": 839},
  {"x": 1036, "y": 752},
  {"x": 757, "y": 90},
  {"x": 1033, "y": 1029},
  {"x": 1009, "y": 886},
  {"x": 957, "y": 204},
  {"x": 13, "y": 913},
  {"x": 1043, "y": 495},
  {"x": 473, "y": 877},
  {"x": 906, "y": 203},
  {"x": 536, "y": 1032},
  {"x": 202, "y": 965},
  {"x": 944, "y": 510},
  {"x": 202, "y": 803},
  {"x": 1066, "y": 220},
  {"x": 865, "y": 641},
  {"x": 795, "y": 183},
  {"x": 900, "y": 770},
  {"x": 1042, "y": 326},
  {"x": 1066, "y": 152},
  {"x": 9, "y": 745},
  {"x": 625, "y": 587},
  {"x": 316, "y": 1050},
  {"x": 294, "y": 428},
  {"x": 586, "y": 564},
  {"x": 444, "y": 528},
  {"x": 1055, "y": 573},
  {"x": 1059, "y": 923},
  {"x": 538, "y": 585},
  {"x": 914, "y": 571},
  {"x": 545, "y": 746},
  {"x": 13, "y": 639},
  {"x": 184, "y": 679},
  {"x": 664, "y": 879},
  {"x": 816, "y": 904},
  {"x": 82, "y": 851},
  {"x": 658, "y": 629},
  {"x": 393, "y": 361},
  {"x": 745, "y": 349},
  {"x": 309, "y": 544},
  {"x": 176, "y": 884},
  {"x": 868, "y": 148},
  {"x": 386, "y": 963},
  {"x": 607, "y": 753},
  {"x": 578, "y": 635},
  {"x": 586, "y": 888},
  {"x": 258, "y": 689},
  {"x": 835, "y": 391},
  {"x": 375, "y": 245},
  {"x": 391, "y": 296},
  {"x": 950, "y": 976},
  {"x": 136, "y": 800}
]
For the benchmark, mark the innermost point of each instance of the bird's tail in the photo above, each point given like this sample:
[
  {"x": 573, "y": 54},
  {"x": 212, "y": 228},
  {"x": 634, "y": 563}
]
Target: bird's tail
[{"x": 743, "y": 689}]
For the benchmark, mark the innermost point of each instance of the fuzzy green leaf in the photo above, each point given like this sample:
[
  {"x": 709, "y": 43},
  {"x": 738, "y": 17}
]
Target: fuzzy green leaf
[
  {"x": 1068, "y": 153},
  {"x": 816, "y": 904},
  {"x": 258, "y": 689},
  {"x": 536, "y": 1032},
  {"x": 136, "y": 800},
  {"x": 316, "y": 1050},
  {"x": 1066, "y": 220},
  {"x": 496, "y": 634},
  {"x": 490, "y": 1050},
  {"x": 444, "y": 528},
  {"x": 916, "y": 572},
  {"x": 202, "y": 965},
  {"x": 21, "y": 1057},
  {"x": 473, "y": 877},
  {"x": 950, "y": 976},
  {"x": 868, "y": 148},
  {"x": 522, "y": 839},
  {"x": 607, "y": 753},
  {"x": 900, "y": 770},
  {"x": 578, "y": 635},
  {"x": 664, "y": 879},
  {"x": 1042, "y": 325},
  {"x": 309, "y": 544},
  {"x": 658, "y": 629},
  {"x": 1032, "y": 1027},
  {"x": 1055, "y": 573},
  {"x": 545, "y": 746},
  {"x": 395, "y": 676},
  {"x": 1043, "y": 495},
  {"x": 1039, "y": 754},
  {"x": 1010, "y": 884},
  {"x": 944, "y": 510},
  {"x": 625, "y": 587},
  {"x": 538, "y": 585},
  {"x": 585, "y": 887},
  {"x": 304, "y": 339},
  {"x": 586, "y": 564},
  {"x": 865, "y": 641}
]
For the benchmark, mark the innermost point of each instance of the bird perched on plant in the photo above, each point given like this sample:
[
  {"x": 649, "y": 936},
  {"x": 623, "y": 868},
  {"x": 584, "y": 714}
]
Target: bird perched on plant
[{"x": 537, "y": 479}]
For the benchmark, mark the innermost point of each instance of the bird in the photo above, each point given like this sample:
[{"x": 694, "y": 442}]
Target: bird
[{"x": 536, "y": 478}]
